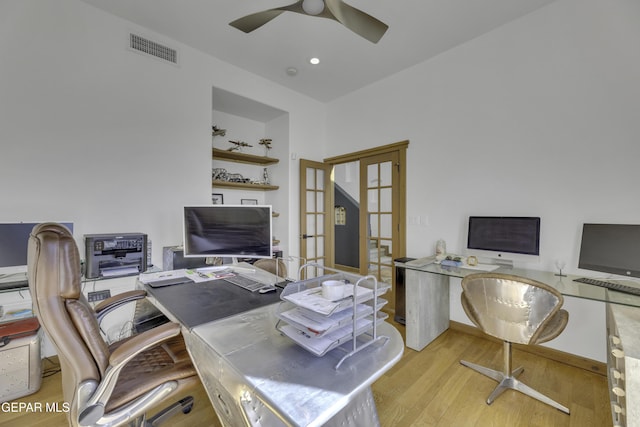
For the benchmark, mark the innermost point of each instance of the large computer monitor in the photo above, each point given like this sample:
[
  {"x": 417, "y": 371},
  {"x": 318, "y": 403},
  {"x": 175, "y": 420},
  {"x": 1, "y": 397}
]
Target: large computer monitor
[
  {"x": 14, "y": 239},
  {"x": 611, "y": 248},
  {"x": 504, "y": 237},
  {"x": 236, "y": 231}
]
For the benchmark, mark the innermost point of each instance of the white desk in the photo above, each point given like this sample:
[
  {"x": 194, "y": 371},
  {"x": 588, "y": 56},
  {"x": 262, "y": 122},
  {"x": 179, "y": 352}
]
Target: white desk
[{"x": 256, "y": 376}]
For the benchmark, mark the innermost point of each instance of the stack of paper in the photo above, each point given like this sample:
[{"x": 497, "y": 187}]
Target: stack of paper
[
  {"x": 320, "y": 345},
  {"x": 318, "y": 325},
  {"x": 312, "y": 299}
]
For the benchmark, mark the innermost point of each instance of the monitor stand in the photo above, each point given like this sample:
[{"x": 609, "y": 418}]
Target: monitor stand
[{"x": 508, "y": 263}]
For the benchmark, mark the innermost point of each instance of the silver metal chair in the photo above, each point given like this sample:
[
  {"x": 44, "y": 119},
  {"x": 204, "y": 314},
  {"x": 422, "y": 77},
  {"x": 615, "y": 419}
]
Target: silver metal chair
[{"x": 515, "y": 310}]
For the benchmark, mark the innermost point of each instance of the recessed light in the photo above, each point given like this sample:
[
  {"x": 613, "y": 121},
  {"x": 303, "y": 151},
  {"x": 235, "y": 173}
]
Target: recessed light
[{"x": 314, "y": 61}]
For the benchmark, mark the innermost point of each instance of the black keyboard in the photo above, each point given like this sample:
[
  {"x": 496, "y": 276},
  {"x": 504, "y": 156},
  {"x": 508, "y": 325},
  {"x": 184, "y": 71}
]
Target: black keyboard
[
  {"x": 609, "y": 285},
  {"x": 169, "y": 282},
  {"x": 245, "y": 283}
]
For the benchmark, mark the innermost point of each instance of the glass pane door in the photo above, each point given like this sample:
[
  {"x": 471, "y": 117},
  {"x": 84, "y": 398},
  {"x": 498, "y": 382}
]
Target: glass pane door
[
  {"x": 315, "y": 199},
  {"x": 379, "y": 216}
]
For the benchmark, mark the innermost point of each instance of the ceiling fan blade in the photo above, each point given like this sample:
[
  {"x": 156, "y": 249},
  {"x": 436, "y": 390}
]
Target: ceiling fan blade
[
  {"x": 356, "y": 20},
  {"x": 256, "y": 20}
]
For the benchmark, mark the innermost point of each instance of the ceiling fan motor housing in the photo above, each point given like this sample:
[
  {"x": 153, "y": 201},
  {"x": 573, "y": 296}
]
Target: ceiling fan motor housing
[{"x": 313, "y": 7}]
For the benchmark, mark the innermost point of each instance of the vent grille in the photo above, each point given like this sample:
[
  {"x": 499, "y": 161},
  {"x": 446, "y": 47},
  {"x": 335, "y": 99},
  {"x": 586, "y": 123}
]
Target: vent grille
[{"x": 152, "y": 48}]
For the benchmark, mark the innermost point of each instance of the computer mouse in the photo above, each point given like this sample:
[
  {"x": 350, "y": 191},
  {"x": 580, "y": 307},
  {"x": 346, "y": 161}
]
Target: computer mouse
[{"x": 267, "y": 289}]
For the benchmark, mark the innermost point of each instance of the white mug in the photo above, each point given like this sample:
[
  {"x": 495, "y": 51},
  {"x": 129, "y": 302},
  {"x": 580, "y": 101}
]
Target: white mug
[{"x": 333, "y": 289}]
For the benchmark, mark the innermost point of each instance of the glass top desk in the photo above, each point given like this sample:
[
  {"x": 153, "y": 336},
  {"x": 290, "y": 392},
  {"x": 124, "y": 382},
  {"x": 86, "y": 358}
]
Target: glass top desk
[
  {"x": 427, "y": 296},
  {"x": 255, "y": 376}
]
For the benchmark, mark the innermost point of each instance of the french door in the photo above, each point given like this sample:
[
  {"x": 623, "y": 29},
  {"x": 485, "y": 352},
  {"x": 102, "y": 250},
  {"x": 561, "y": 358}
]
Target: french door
[
  {"x": 379, "y": 215},
  {"x": 316, "y": 199},
  {"x": 382, "y": 212}
]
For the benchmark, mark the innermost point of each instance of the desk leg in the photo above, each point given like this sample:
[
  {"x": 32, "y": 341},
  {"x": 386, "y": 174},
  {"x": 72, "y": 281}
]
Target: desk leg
[{"x": 427, "y": 307}]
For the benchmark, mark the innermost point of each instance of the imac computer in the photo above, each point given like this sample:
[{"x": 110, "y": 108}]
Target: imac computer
[
  {"x": 504, "y": 239},
  {"x": 228, "y": 231},
  {"x": 611, "y": 248}
]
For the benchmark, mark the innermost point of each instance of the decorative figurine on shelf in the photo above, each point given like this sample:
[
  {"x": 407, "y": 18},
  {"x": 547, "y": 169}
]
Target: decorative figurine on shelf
[
  {"x": 237, "y": 177},
  {"x": 265, "y": 177},
  {"x": 267, "y": 145},
  {"x": 238, "y": 145},
  {"x": 219, "y": 174},
  {"x": 217, "y": 131}
]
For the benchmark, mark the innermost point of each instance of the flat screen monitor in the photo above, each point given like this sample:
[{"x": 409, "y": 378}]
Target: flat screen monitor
[
  {"x": 504, "y": 234},
  {"x": 611, "y": 248},
  {"x": 14, "y": 239},
  {"x": 236, "y": 231}
]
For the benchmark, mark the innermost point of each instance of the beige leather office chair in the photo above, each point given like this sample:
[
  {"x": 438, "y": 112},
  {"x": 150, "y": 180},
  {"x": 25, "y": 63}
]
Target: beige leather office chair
[
  {"x": 104, "y": 385},
  {"x": 273, "y": 266},
  {"x": 515, "y": 310}
]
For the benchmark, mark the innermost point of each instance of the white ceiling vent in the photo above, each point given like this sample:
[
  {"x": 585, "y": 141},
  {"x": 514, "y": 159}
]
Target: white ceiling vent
[{"x": 146, "y": 46}]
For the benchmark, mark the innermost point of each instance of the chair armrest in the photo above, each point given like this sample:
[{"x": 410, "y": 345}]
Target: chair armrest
[
  {"x": 110, "y": 304},
  {"x": 95, "y": 405},
  {"x": 138, "y": 343}
]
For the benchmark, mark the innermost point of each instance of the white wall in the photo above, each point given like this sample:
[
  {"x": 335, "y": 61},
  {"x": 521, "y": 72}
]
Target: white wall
[
  {"x": 110, "y": 139},
  {"x": 539, "y": 117}
]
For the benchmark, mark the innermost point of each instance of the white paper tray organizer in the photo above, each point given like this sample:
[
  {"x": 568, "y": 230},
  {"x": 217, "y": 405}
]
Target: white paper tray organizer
[{"x": 320, "y": 325}]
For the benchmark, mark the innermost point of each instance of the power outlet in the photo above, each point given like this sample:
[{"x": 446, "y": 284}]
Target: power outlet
[{"x": 99, "y": 295}]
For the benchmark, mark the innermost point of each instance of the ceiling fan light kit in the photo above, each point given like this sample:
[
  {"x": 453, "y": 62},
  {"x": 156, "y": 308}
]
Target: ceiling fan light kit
[
  {"x": 354, "y": 19},
  {"x": 313, "y": 7}
]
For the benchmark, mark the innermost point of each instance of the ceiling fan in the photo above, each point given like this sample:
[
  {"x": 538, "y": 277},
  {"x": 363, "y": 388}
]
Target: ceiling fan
[{"x": 354, "y": 19}]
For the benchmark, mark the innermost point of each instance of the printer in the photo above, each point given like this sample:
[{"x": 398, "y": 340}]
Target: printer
[{"x": 112, "y": 255}]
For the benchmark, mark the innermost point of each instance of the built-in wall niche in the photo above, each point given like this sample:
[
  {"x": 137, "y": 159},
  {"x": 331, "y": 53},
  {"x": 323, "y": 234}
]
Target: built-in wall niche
[{"x": 248, "y": 121}]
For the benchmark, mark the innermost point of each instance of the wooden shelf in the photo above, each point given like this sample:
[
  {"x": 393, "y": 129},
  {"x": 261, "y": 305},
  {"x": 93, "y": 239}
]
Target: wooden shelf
[
  {"x": 238, "y": 157},
  {"x": 243, "y": 185}
]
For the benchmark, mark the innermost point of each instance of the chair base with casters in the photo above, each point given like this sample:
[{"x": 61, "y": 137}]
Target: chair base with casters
[
  {"x": 507, "y": 379},
  {"x": 184, "y": 405}
]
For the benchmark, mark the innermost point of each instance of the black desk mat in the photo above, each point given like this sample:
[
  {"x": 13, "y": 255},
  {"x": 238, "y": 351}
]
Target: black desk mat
[{"x": 194, "y": 304}]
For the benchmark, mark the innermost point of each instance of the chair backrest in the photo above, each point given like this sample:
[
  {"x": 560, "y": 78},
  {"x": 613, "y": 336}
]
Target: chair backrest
[
  {"x": 68, "y": 319},
  {"x": 272, "y": 265},
  {"x": 508, "y": 307}
]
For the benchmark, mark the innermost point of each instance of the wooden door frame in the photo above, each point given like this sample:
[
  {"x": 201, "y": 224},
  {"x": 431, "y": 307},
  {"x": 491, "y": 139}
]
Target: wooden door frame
[{"x": 401, "y": 149}]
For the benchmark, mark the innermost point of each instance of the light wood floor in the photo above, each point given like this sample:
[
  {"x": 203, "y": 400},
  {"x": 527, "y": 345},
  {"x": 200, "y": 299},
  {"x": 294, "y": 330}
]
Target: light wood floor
[{"x": 427, "y": 388}]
